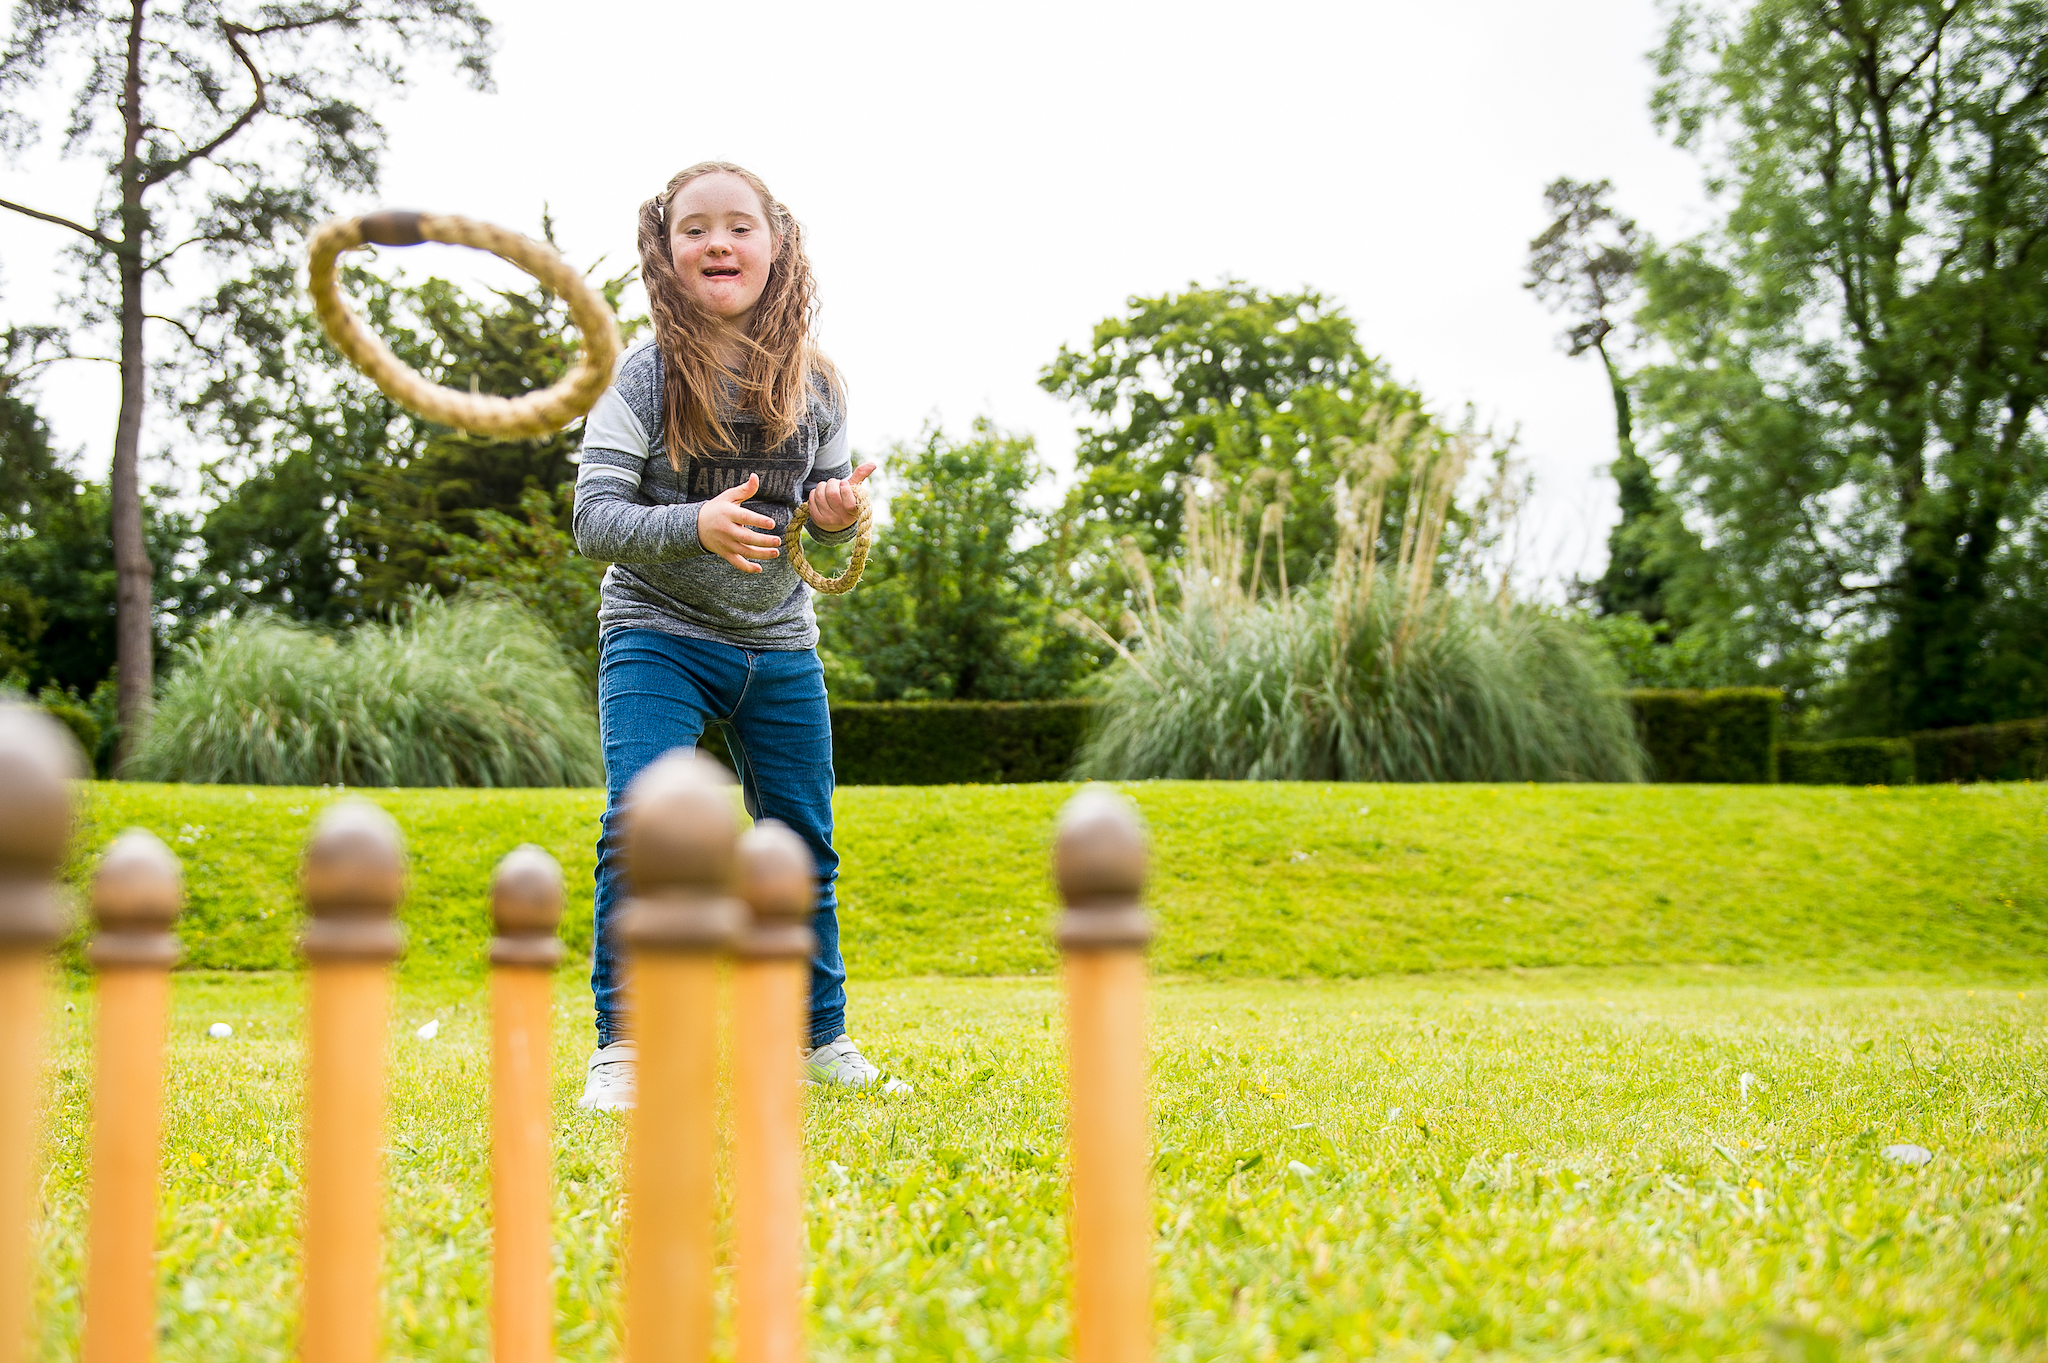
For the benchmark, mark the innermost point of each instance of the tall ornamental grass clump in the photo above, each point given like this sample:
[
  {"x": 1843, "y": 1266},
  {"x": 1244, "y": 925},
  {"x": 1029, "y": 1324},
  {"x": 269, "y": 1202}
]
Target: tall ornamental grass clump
[
  {"x": 472, "y": 691},
  {"x": 1380, "y": 672}
]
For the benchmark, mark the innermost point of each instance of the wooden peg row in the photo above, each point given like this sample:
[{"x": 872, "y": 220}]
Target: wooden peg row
[
  {"x": 353, "y": 877},
  {"x": 778, "y": 880},
  {"x": 680, "y": 832},
  {"x": 526, "y": 908},
  {"x": 136, "y": 895},
  {"x": 38, "y": 759},
  {"x": 1099, "y": 865},
  {"x": 526, "y": 905}
]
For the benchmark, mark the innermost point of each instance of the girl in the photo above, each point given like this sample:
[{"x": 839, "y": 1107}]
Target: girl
[{"x": 693, "y": 463}]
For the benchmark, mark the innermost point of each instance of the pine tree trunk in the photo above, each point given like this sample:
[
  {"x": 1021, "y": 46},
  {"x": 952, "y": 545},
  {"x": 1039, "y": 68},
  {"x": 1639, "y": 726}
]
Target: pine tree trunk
[{"x": 134, "y": 595}]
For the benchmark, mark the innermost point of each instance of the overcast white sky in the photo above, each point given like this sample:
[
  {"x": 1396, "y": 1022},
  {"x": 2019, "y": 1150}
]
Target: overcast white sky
[{"x": 982, "y": 183}]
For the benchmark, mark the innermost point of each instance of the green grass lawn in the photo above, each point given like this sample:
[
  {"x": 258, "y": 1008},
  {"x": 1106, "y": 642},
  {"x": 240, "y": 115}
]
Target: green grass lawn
[
  {"x": 1438, "y": 1072},
  {"x": 1562, "y": 1164},
  {"x": 1250, "y": 880}
]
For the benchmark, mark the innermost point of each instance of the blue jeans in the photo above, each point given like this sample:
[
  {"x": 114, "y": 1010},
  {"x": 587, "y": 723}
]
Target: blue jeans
[{"x": 658, "y": 691}]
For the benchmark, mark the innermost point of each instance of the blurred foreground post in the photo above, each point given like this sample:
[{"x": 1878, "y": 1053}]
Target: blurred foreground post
[
  {"x": 37, "y": 757},
  {"x": 526, "y": 906},
  {"x": 779, "y": 882},
  {"x": 135, "y": 898},
  {"x": 680, "y": 831},
  {"x": 354, "y": 874},
  {"x": 1099, "y": 864}
]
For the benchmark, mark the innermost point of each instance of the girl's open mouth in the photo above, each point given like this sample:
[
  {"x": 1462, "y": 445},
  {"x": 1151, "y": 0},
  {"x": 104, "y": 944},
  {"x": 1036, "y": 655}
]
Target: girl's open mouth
[{"x": 722, "y": 272}]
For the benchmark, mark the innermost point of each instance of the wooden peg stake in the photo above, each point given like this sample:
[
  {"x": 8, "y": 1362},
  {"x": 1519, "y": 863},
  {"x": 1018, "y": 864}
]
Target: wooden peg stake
[
  {"x": 37, "y": 758},
  {"x": 1099, "y": 864},
  {"x": 526, "y": 904},
  {"x": 779, "y": 882},
  {"x": 135, "y": 898},
  {"x": 354, "y": 875},
  {"x": 680, "y": 831}
]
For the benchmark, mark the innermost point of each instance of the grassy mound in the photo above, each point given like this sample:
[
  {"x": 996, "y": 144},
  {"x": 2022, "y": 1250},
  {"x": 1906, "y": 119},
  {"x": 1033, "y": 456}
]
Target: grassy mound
[{"x": 1250, "y": 880}]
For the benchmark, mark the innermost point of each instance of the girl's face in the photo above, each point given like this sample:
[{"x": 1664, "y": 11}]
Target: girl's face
[{"x": 722, "y": 245}]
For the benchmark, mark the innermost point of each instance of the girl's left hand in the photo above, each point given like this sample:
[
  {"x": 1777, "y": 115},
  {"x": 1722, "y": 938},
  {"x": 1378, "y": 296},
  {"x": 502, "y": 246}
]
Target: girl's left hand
[{"x": 834, "y": 505}]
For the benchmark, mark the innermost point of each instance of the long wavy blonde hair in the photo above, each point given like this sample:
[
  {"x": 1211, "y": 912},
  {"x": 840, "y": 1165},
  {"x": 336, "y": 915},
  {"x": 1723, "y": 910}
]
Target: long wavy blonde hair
[{"x": 783, "y": 365}]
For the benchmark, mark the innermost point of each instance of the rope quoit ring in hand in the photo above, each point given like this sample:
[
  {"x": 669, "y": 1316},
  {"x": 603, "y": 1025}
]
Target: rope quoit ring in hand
[
  {"x": 863, "y": 540},
  {"x": 522, "y": 418}
]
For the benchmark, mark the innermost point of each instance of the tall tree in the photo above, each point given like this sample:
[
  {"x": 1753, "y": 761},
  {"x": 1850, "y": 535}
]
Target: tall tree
[
  {"x": 334, "y": 502},
  {"x": 958, "y": 602},
  {"x": 1584, "y": 265},
  {"x": 1268, "y": 389},
  {"x": 1858, "y": 351},
  {"x": 222, "y": 126}
]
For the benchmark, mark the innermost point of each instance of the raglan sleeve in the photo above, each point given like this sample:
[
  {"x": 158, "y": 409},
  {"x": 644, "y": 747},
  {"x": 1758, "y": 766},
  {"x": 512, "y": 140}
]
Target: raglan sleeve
[
  {"x": 835, "y": 460},
  {"x": 612, "y": 522}
]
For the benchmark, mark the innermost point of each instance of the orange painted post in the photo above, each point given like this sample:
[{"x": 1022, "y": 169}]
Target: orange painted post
[
  {"x": 37, "y": 759},
  {"x": 526, "y": 904},
  {"x": 680, "y": 831},
  {"x": 135, "y": 898},
  {"x": 1099, "y": 864},
  {"x": 354, "y": 875},
  {"x": 779, "y": 882}
]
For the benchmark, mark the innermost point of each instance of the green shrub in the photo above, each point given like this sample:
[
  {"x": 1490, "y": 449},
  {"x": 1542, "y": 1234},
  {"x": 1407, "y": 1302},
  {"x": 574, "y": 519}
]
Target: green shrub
[
  {"x": 466, "y": 692},
  {"x": 1463, "y": 689},
  {"x": 79, "y": 720},
  {"x": 1382, "y": 671},
  {"x": 1847, "y": 762},
  {"x": 2016, "y": 750},
  {"x": 1726, "y": 735}
]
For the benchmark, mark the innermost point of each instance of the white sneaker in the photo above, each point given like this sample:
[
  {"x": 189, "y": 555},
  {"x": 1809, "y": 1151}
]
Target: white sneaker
[
  {"x": 840, "y": 1063},
  {"x": 612, "y": 1082}
]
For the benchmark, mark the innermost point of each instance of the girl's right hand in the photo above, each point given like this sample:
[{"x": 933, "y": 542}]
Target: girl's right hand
[{"x": 732, "y": 532}]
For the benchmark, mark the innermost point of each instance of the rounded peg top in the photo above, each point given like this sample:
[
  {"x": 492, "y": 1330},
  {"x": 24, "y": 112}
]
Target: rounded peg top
[
  {"x": 1100, "y": 852},
  {"x": 353, "y": 877},
  {"x": 1099, "y": 860},
  {"x": 681, "y": 831},
  {"x": 136, "y": 895},
  {"x": 779, "y": 882},
  {"x": 680, "y": 824},
  {"x": 38, "y": 757},
  {"x": 526, "y": 907}
]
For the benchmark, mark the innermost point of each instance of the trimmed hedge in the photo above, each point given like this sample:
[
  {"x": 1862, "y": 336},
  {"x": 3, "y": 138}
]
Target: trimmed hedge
[
  {"x": 1724, "y": 736},
  {"x": 1847, "y": 762},
  {"x": 936, "y": 743},
  {"x": 944, "y": 743},
  {"x": 2016, "y": 750}
]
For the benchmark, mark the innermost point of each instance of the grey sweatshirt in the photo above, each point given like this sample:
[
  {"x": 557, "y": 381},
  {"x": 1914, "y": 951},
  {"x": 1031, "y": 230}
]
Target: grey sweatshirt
[{"x": 638, "y": 514}]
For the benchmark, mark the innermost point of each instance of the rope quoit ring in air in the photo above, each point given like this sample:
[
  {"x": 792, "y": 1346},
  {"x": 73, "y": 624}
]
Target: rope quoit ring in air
[
  {"x": 522, "y": 418},
  {"x": 863, "y": 540}
]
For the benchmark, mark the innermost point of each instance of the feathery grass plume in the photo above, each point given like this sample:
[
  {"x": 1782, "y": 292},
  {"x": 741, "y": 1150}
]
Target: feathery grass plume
[
  {"x": 1380, "y": 672},
  {"x": 472, "y": 691}
]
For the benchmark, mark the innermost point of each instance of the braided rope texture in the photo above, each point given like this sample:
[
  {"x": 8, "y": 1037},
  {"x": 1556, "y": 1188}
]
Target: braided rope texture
[
  {"x": 863, "y": 540},
  {"x": 526, "y": 417}
]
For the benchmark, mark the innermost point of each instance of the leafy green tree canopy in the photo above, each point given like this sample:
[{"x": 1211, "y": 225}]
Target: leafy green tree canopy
[
  {"x": 1856, "y": 354},
  {"x": 958, "y": 601},
  {"x": 1267, "y": 387},
  {"x": 222, "y": 127}
]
